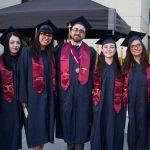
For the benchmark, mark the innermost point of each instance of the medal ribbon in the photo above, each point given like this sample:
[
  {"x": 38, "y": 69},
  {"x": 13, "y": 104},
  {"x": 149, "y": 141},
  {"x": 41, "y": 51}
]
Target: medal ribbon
[{"x": 75, "y": 54}]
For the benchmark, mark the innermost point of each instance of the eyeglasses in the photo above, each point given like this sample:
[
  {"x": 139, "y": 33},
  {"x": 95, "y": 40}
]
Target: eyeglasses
[
  {"x": 135, "y": 46},
  {"x": 46, "y": 34},
  {"x": 78, "y": 30}
]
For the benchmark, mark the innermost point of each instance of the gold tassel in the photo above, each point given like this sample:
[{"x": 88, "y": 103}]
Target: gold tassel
[
  {"x": 121, "y": 56},
  {"x": 97, "y": 53},
  {"x": 35, "y": 32},
  {"x": 69, "y": 30}
]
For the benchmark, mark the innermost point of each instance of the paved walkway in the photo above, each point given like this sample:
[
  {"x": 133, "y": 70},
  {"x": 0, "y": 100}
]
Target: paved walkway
[{"x": 59, "y": 145}]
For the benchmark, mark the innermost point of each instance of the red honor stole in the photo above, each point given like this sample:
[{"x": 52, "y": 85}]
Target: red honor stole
[
  {"x": 126, "y": 82},
  {"x": 83, "y": 62},
  {"x": 117, "y": 91},
  {"x": 38, "y": 75},
  {"x": 7, "y": 82}
]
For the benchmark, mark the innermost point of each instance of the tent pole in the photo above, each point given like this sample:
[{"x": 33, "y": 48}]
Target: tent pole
[{"x": 113, "y": 32}]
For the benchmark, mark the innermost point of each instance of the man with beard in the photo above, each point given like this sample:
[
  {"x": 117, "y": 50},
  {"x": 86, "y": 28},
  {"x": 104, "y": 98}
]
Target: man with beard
[{"x": 75, "y": 63}]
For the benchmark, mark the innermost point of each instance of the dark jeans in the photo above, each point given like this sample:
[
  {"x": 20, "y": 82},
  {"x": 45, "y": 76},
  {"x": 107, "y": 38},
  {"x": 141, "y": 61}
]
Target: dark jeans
[{"x": 75, "y": 146}]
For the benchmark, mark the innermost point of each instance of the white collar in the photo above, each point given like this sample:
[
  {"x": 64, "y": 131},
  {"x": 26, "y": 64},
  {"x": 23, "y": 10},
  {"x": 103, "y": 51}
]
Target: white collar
[{"x": 77, "y": 44}]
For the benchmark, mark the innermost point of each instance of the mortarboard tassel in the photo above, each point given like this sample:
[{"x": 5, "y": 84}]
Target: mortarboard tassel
[
  {"x": 97, "y": 53},
  {"x": 35, "y": 32},
  {"x": 121, "y": 56},
  {"x": 69, "y": 28}
]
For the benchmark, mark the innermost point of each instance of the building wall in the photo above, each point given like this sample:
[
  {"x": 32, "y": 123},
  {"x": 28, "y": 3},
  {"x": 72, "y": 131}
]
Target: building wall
[
  {"x": 145, "y": 8},
  {"x": 134, "y": 12},
  {"x": 7, "y": 3}
]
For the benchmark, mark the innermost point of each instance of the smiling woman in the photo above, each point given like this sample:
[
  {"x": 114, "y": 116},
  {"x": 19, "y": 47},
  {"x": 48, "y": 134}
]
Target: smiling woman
[
  {"x": 109, "y": 111},
  {"x": 45, "y": 39},
  {"x": 14, "y": 44},
  {"x": 10, "y": 110},
  {"x": 37, "y": 88},
  {"x": 137, "y": 90}
]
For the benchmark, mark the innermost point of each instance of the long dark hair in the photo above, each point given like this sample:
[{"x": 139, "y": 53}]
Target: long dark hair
[
  {"x": 7, "y": 55},
  {"x": 129, "y": 59},
  {"x": 116, "y": 64},
  {"x": 37, "y": 49}
]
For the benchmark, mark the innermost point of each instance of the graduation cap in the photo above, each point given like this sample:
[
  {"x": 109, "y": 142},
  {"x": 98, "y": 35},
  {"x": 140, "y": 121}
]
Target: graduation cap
[
  {"x": 9, "y": 31},
  {"x": 46, "y": 26},
  {"x": 82, "y": 21},
  {"x": 133, "y": 35},
  {"x": 108, "y": 39}
]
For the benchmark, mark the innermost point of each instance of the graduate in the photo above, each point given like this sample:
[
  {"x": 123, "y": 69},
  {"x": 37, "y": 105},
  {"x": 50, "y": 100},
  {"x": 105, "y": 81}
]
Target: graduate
[
  {"x": 37, "y": 88},
  {"x": 10, "y": 110},
  {"x": 75, "y": 63},
  {"x": 137, "y": 90},
  {"x": 108, "y": 109}
]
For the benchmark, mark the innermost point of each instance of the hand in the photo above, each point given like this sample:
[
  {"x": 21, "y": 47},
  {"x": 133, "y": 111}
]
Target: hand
[{"x": 24, "y": 105}]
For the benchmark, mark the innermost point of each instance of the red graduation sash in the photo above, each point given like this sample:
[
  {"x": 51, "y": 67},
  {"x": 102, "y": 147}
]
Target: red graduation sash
[
  {"x": 117, "y": 91},
  {"x": 126, "y": 82},
  {"x": 38, "y": 75},
  {"x": 7, "y": 82},
  {"x": 84, "y": 64},
  {"x": 97, "y": 87},
  {"x": 125, "y": 89}
]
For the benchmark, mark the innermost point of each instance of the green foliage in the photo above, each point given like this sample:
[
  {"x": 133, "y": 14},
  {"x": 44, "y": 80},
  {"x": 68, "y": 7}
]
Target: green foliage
[{"x": 26, "y": 41}]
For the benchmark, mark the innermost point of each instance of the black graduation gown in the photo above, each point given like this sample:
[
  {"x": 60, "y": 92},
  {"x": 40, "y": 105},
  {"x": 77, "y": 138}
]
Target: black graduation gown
[
  {"x": 75, "y": 104},
  {"x": 40, "y": 122},
  {"x": 108, "y": 127},
  {"x": 137, "y": 110},
  {"x": 10, "y": 117}
]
